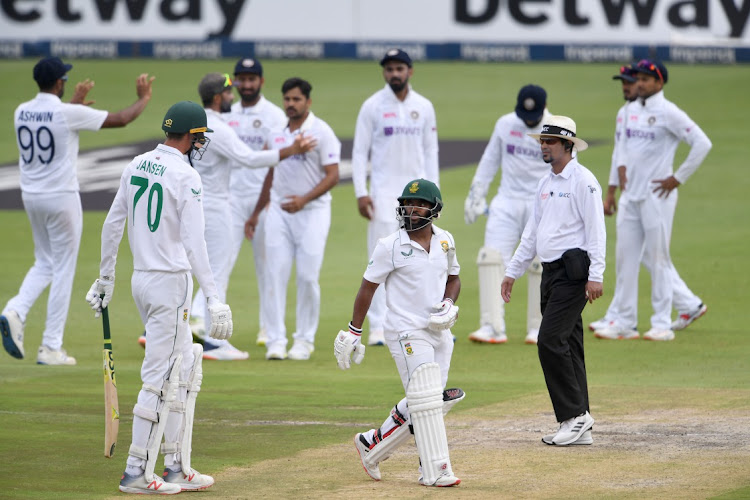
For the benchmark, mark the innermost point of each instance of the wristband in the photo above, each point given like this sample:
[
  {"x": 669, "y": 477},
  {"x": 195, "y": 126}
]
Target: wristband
[{"x": 354, "y": 330}]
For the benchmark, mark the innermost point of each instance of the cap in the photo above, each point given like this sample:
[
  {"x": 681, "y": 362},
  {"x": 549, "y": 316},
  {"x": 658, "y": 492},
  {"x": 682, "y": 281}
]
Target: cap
[
  {"x": 653, "y": 68},
  {"x": 185, "y": 117},
  {"x": 212, "y": 84},
  {"x": 531, "y": 102},
  {"x": 50, "y": 69},
  {"x": 627, "y": 74},
  {"x": 396, "y": 55},
  {"x": 248, "y": 65}
]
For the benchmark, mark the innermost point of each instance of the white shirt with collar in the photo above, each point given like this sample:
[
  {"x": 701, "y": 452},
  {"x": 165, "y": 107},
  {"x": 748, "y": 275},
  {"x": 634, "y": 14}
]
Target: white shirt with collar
[
  {"x": 414, "y": 279},
  {"x": 253, "y": 125},
  {"x": 298, "y": 174},
  {"x": 568, "y": 213},
  {"x": 226, "y": 151},
  {"x": 400, "y": 138},
  {"x": 654, "y": 129}
]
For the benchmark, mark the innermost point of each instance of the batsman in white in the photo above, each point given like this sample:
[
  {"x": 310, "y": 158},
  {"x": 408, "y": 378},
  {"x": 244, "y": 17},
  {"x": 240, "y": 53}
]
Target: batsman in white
[
  {"x": 298, "y": 220},
  {"x": 227, "y": 152},
  {"x": 665, "y": 124},
  {"x": 418, "y": 266},
  {"x": 653, "y": 130},
  {"x": 47, "y": 138},
  {"x": 397, "y": 130},
  {"x": 160, "y": 200},
  {"x": 518, "y": 154}
]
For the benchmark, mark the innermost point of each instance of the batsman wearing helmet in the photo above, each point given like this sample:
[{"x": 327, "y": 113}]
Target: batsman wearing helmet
[
  {"x": 160, "y": 199},
  {"x": 419, "y": 268}
]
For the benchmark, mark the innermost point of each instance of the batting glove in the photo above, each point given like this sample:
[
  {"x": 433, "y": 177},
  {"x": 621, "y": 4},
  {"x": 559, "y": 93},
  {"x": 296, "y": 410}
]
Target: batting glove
[
  {"x": 444, "y": 317},
  {"x": 100, "y": 294},
  {"x": 348, "y": 347},
  {"x": 475, "y": 204},
  {"x": 221, "y": 319}
]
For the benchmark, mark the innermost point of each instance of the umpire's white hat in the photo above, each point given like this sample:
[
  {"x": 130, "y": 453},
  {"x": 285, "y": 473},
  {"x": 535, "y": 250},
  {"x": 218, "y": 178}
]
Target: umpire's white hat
[{"x": 562, "y": 127}]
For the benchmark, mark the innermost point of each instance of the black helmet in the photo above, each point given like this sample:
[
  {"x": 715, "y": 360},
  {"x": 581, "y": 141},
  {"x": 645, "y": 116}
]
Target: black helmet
[{"x": 185, "y": 117}]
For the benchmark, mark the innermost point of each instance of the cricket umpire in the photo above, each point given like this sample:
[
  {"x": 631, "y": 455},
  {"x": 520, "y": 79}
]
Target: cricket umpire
[{"x": 567, "y": 231}]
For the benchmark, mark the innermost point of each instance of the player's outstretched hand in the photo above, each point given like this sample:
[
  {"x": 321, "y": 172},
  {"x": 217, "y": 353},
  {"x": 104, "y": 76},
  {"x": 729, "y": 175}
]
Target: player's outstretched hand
[
  {"x": 143, "y": 86},
  {"x": 348, "y": 347},
  {"x": 100, "y": 294},
  {"x": 80, "y": 92},
  {"x": 444, "y": 317},
  {"x": 221, "y": 319}
]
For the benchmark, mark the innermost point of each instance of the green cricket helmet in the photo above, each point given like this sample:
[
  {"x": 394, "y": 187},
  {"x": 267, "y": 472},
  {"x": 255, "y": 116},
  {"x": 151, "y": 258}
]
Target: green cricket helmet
[
  {"x": 185, "y": 117},
  {"x": 418, "y": 189}
]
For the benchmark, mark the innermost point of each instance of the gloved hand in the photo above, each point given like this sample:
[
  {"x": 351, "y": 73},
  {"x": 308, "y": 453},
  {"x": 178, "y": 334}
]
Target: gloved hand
[
  {"x": 444, "y": 317},
  {"x": 221, "y": 319},
  {"x": 348, "y": 346},
  {"x": 475, "y": 204},
  {"x": 104, "y": 285}
]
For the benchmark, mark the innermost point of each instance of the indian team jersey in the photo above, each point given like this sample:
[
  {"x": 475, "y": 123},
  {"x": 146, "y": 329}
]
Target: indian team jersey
[
  {"x": 519, "y": 155},
  {"x": 160, "y": 197},
  {"x": 617, "y": 152},
  {"x": 47, "y": 137},
  {"x": 253, "y": 125},
  {"x": 414, "y": 278},
  {"x": 298, "y": 174},
  {"x": 401, "y": 141}
]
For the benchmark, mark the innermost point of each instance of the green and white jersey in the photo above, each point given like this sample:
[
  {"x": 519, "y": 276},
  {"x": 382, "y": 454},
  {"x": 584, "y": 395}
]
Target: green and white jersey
[{"x": 160, "y": 197}]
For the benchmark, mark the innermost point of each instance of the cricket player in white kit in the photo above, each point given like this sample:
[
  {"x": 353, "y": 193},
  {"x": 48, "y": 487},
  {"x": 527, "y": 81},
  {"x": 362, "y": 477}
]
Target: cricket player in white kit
[
  {"x": 298, "y": 220},
  {"x": 397, "y": 129},
  {"x": 160, "y": 199},
  {"x": 227, "y": 152},
  {"x": 47, "y": 138},
  {"x": 418, "y": 266},
  {"x": 252, "y": 119},
  {"x": 653, "y": 130},
  {"x": 518, "y": 154}
]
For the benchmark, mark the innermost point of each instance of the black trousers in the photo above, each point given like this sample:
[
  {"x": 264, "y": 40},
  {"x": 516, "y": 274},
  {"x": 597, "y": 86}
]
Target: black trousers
[{"x": 560, "y": 342}]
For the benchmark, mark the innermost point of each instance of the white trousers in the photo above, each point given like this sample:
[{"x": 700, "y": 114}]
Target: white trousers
[
  {"x": 505, "y": 224},
  {"x": 377, "y": 229},
  {"x": 683, "y": 299},
  {"x": 413, "y": 348},
  {"x": 298, "y": 238},
  {"x": 644, "y": 229},
  {"x": 163, "y": 301},
  {"x": 56, "y": 225}
]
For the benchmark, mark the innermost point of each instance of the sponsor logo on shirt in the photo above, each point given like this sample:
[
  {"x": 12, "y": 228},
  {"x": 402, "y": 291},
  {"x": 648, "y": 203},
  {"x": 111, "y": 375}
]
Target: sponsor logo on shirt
[
  {"x": 389, "y": 131},
  {"x": 369, "y": 263},
  {"x": 408, "y": 254},
  {"x": 563, "y": 195},
  {"x": 279, "y": 140},
  {"x": 196, "y": 194},
  {"x": 390, "y": 114},
  {"x": 251, "y": 140},
  {"x": 233, "y": 123},
  {"x": 640, "y": 134},
  {"x": 545, "y": 195},
  {"x": 516, "y": 133},
  {"x": 592, "y": 189},
  {"x": 512, "y": 149}
]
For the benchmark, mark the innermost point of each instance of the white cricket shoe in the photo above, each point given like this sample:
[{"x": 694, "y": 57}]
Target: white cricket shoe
[
  {"x": 192, "y": 481},
  {"x": 487, "y": 335},
  {"x": 616, "y": 332},
  {"x": 47, "y": 356},
  {"x": 599, "y": 324},
  {"x": 142, "y": 340},
  {"x": 148, "y": 486},
  {"x": 445, "y": 480},
  {"x": 301, "y": 350},
  {"x": 586, "y": 438},
  {"x": 656, "y": 334},
  {"x": 11, "y": 329},
  {"x": 572, "y": 429},
  {"x": 224, "y": 352},
  {"x": 684, "y": 320},
  {"x": 532, "y": 336},
  {"x": 363, "y": 448},
  {"x": 262, "y": 338},
  {"x": 276, "y": 353},
  {"x": 376, "y": 337},
  {"x": 198, "y": 329}
]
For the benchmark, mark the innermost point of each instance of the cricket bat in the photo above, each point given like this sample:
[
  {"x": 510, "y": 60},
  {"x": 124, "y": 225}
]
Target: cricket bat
[{"x": 111, "y": 407}]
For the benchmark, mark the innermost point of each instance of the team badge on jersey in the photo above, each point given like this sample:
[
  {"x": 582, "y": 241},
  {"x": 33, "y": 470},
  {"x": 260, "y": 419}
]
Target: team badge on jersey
[
  {"x": 651, "y": 120},
  {"x": 184, "y": 315},
  {"x": 408, "y": 349},
  {"x": 414, "y": 115},
  {"x": 444, "y": 244},
  {"x": 257, "y": 123}
]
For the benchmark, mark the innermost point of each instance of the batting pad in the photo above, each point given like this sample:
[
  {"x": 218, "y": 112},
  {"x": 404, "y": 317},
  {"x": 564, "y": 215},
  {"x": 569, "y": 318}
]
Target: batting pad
[
  {"x": 424, "y": 395},
  {"x": 168, "y": 397},
  {"x": 534, "y": 307},
  {"x": 491, "y": 272}
]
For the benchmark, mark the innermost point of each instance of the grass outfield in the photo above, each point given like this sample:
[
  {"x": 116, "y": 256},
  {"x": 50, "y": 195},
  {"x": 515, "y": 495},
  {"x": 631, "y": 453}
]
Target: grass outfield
[{"x": 673, "y": 419}]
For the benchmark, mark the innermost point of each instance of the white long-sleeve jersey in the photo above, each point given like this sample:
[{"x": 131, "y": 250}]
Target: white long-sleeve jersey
[
  {"x": 253, "y": 124},
  {"x": 400, "y": 138},
  {"x": 226, "y": 151},
  {"x": 653, "y": 131},
  {"x": 519, "y": 155},
  {"x": 160, "y": 197},
  {"x": 618, "y": 158}
]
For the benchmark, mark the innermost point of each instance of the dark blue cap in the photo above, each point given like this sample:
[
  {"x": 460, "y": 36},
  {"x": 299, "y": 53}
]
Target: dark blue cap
[
  {"x": 653, "y": 68},
  {"x": 396, "y": 55},
  {"x": 248, "y": 65},
  {"x": 627, "y": 74},
  {"x": 531, "y": 102},
  {"x": 50, "y": 69}
]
